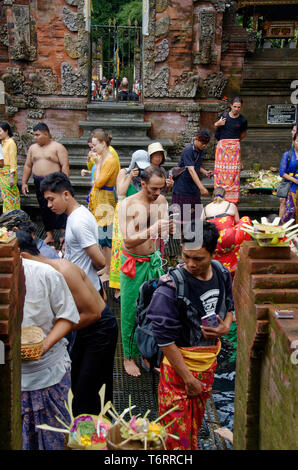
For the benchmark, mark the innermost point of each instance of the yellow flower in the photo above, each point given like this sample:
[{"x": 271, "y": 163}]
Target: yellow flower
[
  {"x": 85, "y": 440},
  {"x": 153, "y": 427}
]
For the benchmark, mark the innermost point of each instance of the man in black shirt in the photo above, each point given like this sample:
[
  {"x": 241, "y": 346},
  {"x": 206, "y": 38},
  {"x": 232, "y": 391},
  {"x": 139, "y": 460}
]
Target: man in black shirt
[
  {"x": 188, "y": 188},
  {"x": 190, "y": 350},
  {"x": 231, "y": 128}
]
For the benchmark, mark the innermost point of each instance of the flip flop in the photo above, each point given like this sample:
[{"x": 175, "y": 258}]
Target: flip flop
[{"x": 146, "y": 368}]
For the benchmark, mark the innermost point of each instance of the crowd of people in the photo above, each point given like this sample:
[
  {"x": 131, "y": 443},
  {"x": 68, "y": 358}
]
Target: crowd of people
[
  {"x": 115, "y": 90},
  {"x": 120, "y": 239}
]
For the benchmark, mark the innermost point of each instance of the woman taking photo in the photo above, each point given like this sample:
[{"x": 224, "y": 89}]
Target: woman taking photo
[
  {"x": 8, "y": 169},
  {"x": 289, "y": 171}
]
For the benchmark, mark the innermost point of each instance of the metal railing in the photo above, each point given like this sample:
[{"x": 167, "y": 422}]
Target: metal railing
[{"x": 116, "y": 53}]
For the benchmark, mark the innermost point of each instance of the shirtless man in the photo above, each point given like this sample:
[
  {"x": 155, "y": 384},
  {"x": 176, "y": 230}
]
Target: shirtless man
[
  {"x": 44, "y": 157},
  {"x": 143, "y": 218}
]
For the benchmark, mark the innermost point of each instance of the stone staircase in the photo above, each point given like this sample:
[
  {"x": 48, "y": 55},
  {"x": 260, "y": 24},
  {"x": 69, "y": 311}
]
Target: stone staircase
[{"x": 125, "y": 121}]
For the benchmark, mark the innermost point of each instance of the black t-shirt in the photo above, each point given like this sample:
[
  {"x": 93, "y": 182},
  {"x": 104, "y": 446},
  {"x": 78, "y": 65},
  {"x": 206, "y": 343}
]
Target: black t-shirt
[
  {"x": 184, "y": 184},
  {"x": 204, "y": 295},
  {"x": 233, "y": 127}
]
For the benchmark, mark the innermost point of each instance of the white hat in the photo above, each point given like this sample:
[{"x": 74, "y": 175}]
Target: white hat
[
  {"x": 156, "y": 147},
  {"x": 139, "y": 158}
]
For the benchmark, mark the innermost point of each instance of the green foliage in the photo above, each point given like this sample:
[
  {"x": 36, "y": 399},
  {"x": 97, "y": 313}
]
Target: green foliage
[
  {"x": 130, "y": 12},
  {"x": 121, "y": 10}
]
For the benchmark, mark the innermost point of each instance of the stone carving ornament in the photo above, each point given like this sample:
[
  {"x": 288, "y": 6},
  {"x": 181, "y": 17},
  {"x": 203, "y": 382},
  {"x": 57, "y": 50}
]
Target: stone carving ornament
[
  {"x": 70, "y": 19},
  {"x": 214, "y": 84},
  {"x": 206, "y": 36},
  {"x": 162, "y": 51},
  {"x": 24, "y": 33}
]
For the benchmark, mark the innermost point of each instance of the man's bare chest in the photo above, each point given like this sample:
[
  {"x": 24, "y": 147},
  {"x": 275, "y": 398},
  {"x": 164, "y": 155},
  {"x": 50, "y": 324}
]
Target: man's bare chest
[{"x": 45, "y": 155}]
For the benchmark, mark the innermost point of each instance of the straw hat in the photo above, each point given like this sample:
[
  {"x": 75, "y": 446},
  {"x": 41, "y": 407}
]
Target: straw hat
[{"x": 156, "y": 147}]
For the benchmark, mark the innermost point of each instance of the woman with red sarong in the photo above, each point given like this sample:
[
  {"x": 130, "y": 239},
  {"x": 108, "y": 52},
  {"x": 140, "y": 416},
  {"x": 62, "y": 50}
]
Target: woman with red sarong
[
  {"x": 226, "y": 218},
  {"x": 230, "y": 130}
]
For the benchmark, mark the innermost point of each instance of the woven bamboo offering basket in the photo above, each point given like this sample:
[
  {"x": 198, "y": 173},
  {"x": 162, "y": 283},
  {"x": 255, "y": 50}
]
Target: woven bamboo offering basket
[{"x": 31, "y": 343}]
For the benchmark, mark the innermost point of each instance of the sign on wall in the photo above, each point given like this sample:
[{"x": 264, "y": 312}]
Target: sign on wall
[{"x": 281, "y": 114}]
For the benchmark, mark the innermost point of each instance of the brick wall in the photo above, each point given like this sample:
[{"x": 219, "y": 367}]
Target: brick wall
[
  {"x": 12, "y": 293},
  {"x": 266, "y": 375}
]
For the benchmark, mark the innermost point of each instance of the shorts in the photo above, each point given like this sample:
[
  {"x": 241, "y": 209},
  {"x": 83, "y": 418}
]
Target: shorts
[{"x": 105, "y": 235}]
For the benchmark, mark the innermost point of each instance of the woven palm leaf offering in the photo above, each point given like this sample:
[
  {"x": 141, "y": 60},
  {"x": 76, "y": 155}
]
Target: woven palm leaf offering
[
  {"x": 31, "y": 343},
  {"x": 6, "y": 236},
  {"x": 86, "y": 431},
  {"x": 139, "y": 433},
  {"x": 272, "y": 234}
]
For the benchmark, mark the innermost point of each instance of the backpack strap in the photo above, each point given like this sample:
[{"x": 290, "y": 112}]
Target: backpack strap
[{"x": 181, "y": 285}]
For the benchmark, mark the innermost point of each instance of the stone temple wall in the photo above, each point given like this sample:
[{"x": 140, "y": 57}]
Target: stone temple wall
[
  {"x": 44, "y": 65},
  {"x": 183, "y": 81}
]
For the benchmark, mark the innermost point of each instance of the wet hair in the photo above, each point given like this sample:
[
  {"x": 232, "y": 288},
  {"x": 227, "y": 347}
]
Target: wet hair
[
  {"x": 89, "y": 141},
  {"x": 236, "y": 99},
  {"x": 42, "y": 127},
  {"x": 151, "y": 171},
  {"x": 218, "y": 194},
  {"x": 26, "y": 242},
  {"x": 56, "y": 182},
  {"x": 210, "y": 235},
  {"x": 102, "y": 136},
  {"x": 17, "y": 218},
  {"x": 203, "y": 136},
  {"x": 295, "y": 136},
  {"x": 6, "y": 127}
]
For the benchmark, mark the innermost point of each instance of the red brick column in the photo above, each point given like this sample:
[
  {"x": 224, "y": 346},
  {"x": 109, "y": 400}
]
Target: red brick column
[
  {"x": 12, "y": 293},
  {"x": 266, "y": 373}
]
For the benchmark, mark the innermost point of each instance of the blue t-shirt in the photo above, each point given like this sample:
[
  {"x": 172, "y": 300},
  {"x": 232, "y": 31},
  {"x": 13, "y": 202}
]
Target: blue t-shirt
[{"x": 184, "y": 184}]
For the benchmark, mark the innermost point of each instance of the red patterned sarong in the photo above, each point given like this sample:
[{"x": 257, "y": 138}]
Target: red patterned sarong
[
  {"x": 227, "y": 168},
  {"x": 189, "y": 416}
]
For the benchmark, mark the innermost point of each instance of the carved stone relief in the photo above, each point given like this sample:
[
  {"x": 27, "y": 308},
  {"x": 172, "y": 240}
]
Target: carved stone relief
[
  {"x": 44, "y": 81},
  {"x": 214, "y": 84},
  {"x": 35, "y": 113},
  {"x": 162, "y": 25},
  {"x": 71, "y": 46},
  {"x": 73, "y": 83},
  {"x": 13, "y": 80},
  {"x": 162, "y": 51},
  {"x": 3, "y": 34},
  {"x": 70, "y": 19},
  {"x": 73, "y": 3},
  {"x": 206, "y": 38},
  {"x": 24, "y": 32},
  {"x": 161, "y": 5}
]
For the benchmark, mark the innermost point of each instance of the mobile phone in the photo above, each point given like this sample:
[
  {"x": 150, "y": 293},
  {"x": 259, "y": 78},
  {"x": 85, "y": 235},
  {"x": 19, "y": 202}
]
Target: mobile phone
[
  {"x": 210, "y": 320},
  {"x": 225, "y": 115},
  {"x": 284, "y": 314},
  {"x": 173, "y": 215}
]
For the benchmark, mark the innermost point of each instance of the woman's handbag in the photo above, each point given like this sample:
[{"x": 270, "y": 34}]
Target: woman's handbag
[
  {"x": 285, "y": 185},
  {"x": 283, "y": 189}
]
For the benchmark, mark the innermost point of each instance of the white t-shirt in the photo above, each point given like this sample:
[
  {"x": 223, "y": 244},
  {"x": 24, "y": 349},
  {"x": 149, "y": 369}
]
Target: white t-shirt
[
  {"x": 47, "y": 299},
  {"x": 82, "y": 232}
]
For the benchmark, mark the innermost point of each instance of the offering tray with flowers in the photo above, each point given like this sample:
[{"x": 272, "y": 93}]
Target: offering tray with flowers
[
  {"x": 270, "y": 233},
  {"x": 85, "y": 432},
  {"x": 6, "y": 236},
  {"x": 263, "y": 181},
  {"x": 139, "y": 433}
]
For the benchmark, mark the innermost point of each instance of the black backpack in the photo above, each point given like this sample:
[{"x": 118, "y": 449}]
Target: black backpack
[{"x": 145, "y": 339}]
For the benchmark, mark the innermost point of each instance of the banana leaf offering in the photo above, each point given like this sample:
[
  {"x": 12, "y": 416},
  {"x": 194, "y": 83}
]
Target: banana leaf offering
[{"x": 271, "y": 233}]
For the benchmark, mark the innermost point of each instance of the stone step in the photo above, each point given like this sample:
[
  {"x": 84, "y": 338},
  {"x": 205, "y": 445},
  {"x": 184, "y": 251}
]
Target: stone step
[
  {"x": 115, "y": 111},
  {"x": 118, "y": 129}
]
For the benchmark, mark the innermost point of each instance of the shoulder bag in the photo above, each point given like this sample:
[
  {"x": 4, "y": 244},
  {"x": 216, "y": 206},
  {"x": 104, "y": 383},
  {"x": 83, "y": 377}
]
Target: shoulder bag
[
  {"x": 285, "y": 185},
  {"x": 178, "y": 170}
]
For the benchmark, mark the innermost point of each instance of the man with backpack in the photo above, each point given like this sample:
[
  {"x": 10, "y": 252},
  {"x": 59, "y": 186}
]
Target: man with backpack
[
  {"x": 143, "y": 219},
  {"x": 197, "y": 288}
]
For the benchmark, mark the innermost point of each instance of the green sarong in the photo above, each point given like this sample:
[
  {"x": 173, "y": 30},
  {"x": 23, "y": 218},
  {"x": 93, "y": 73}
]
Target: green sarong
[{"x": 129, "y": 290}]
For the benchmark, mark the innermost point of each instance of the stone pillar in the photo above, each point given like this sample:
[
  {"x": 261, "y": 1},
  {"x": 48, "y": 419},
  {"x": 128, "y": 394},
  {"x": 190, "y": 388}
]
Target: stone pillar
[
  {"x": 266, "y": 370},
  {"x": 12, "y": 293}
]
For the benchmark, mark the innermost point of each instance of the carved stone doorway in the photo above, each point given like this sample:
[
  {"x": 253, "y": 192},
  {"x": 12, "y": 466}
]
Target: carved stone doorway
[{"x": 116, "y": 53}]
